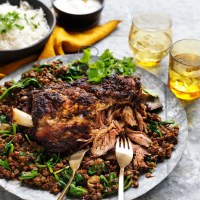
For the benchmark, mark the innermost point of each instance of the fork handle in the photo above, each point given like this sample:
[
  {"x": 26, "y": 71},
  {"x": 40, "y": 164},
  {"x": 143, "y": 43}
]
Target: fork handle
[
  {"x": 121, "y": 184},
  {"x": 62, "y": 195}
]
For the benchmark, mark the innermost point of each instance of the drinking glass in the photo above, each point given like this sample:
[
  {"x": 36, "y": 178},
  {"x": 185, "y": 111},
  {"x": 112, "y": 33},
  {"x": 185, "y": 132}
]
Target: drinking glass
[
  {"x": 150, "y": 38},
  {"x": 184, "y": 69}
]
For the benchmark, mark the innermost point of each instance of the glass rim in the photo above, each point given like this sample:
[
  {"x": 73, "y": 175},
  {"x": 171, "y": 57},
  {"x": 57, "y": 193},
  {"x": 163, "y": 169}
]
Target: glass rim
[
  {"x": 152, "y": 13},
  {"x": 183, "y": 63}
]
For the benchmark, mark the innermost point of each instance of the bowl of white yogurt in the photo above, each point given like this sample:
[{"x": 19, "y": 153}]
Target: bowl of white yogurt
[{"x": 78, "y": 14}]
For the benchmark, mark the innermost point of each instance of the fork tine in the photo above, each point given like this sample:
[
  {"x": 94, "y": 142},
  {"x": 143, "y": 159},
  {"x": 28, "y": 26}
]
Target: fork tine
[
  {"x": 117, "y": 143},
  {"x": 130, "y": 144},
  {"x": 127, "y": 143},
  {"x": 122, "y": 142},
  {"x": 124, "y": 155}
]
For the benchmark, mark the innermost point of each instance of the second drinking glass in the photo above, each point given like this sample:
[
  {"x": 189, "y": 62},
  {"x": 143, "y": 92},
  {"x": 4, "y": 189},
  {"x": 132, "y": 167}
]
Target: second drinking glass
[{"x": 150, "y": 38}]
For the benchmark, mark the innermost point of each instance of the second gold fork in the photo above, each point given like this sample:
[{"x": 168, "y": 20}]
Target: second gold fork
[{"x": 124, "y": 155}]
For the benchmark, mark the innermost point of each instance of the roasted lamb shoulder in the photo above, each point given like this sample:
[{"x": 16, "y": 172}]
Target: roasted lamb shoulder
[{"x": 64, "y": 115}]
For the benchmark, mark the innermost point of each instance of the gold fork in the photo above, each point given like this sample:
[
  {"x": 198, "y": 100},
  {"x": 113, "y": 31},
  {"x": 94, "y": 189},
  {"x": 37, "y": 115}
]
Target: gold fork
[
  {"x": 74, "y": 163},
  {"x": 124, "y": 154}
]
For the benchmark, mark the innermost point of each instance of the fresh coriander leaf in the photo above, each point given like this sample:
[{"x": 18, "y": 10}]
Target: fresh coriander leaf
[
  {"x": 106, "y": 56},
  {"x": 86, "y": 56},
  {"x": 120, "y": 67},
  {"x": 93, "y": 76}
]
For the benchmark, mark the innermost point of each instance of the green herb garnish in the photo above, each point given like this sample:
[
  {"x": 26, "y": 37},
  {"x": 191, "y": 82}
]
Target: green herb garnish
[
  {"x": 86, "y": 56},
  {"x": 8, "y": 21},
  {"x": 107, "y": 65}
]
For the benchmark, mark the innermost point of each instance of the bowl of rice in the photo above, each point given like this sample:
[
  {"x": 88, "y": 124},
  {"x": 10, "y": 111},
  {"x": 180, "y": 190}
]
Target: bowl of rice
[{"x": 25, "y": 26}]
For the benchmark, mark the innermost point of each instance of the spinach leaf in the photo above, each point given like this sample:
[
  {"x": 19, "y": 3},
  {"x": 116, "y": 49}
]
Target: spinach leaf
[
  {"x": 97, "y": 168},
  {"x": 153, "y": 126},
  {"x": 55, "y": 158},
  {"x": 12, "y": 130},
  {"x": 109, "y": 182},
  {"x": 20, "y": 84},
  {"x": 3, "y": 119},
  {"x": 62, "y": 176},
  {"x": 28, "y": 175},
  {"x": 73, "y": 73},
  {"x": 8, "y": 148},
  {"x": 167, "y": 122},
  {"x": 150, "y": 92},
  {"x": 128, "y": 182},
  {"x": 79, "y": 179},
  {"x": 28, "y": 139},
  {"x": 4, "y": 163},
  {"x": 77, "y": 191}
]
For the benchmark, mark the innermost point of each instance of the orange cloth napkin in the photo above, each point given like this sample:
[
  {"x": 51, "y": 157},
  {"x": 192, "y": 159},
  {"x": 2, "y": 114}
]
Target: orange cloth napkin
[{"x": 62, "y": 42}]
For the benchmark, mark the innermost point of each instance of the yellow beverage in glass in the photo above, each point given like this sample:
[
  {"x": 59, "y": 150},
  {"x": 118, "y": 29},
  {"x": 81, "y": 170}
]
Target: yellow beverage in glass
[
  {"x": 184, "y": 69},
  {"x": 150, "y": 38}
]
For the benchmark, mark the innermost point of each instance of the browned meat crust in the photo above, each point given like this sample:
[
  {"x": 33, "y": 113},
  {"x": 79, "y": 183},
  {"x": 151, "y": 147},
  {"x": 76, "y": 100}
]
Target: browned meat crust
[{"x": 65, "y": 113}]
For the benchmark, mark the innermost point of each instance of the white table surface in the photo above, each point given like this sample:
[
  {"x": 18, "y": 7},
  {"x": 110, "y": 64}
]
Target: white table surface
[{"x": 184, "y": 181}]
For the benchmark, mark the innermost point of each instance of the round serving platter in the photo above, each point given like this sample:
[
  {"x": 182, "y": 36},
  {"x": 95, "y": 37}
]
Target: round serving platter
[{"x": 172, "y": 109}]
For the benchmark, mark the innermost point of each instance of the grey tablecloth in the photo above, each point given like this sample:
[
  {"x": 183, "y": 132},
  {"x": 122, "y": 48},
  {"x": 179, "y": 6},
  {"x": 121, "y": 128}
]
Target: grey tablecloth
[{"x": 184, "y": 181}]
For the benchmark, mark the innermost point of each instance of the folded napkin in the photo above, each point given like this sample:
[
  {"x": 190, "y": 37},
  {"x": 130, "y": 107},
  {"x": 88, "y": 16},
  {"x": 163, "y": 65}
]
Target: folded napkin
[{"x": 62, "y": 42}]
